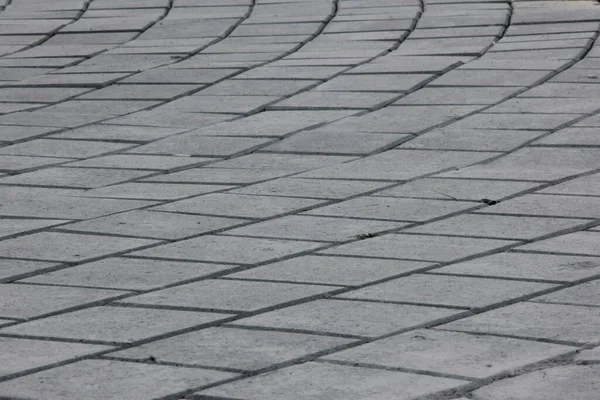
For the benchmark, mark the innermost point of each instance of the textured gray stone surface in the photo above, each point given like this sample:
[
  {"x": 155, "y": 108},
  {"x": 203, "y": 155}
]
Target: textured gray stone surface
[
  {"x": 341, "y": 382},
  {"x": 452, "y": 353},
  {"x": 319, "y": 174},
  {"x": 119, "y": 379},
  {"x": 233, "y": 348}
]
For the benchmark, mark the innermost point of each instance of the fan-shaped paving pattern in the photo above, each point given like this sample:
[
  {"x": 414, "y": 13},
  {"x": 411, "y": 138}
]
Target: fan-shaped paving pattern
[{"x": 299, "y": 199}]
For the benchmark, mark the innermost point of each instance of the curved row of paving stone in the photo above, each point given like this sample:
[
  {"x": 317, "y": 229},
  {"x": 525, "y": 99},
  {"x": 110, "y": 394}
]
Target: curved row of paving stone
[
  {"x": 295, "y": 318},
  {"x": 119, "y": 50}
]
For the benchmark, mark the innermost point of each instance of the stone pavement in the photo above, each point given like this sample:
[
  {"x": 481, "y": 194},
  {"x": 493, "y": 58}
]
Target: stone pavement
[{"x": 299, "y": 199}]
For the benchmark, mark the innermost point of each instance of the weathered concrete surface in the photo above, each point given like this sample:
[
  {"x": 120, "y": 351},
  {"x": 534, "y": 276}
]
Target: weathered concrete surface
[{"x": 299, "y": 199}]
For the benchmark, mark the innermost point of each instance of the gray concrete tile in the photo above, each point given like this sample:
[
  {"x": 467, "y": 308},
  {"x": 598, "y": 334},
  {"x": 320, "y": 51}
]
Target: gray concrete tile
[
  {"x": 62, "y": 148},
  {"x": 391, "y": 208},
  {"x": 497, "y": 226},
  {"x": 461, "y": 189},
  {"x": 570, "y": 137},
  {"x": 11, "y": 133},
  {"x": 219, "y": 104},
  {"x": 130, "y": 161},
  {"x": 257, "y": 87},
  {"x": 239, "y": 349},
  {"x": 82, "y": 178},
  {"x": 192, "y": 144},
  {"x": 154, "y": 191},
  {"x": 517, "y": 121},
  {"x": 274, "y": 123},
  {"x": 227, "y": 176},
  {"x": 19, "y": 355},
  {"x": 419, "y": 247},
  {"x": 13, "y": 269},
  {"x": 12, "y": 226},
  {"x": 375, "y": 83},
  {"x": 318, "y": 99},
  {"x": 452, "y": 353},
  {"x": 347, "y": 317},
  {"x": 23, "y": 163},
  {"x": 228, "y": 249},
  {"x": 334, "y": 382},
  {"x": 471, "y": 139},
  {"x": 153, "y": 224},
  {"x": 119, "y": 132},
  {"x": 457, "y": 95},
  {"x": 554, "y": 383},
  {"x": 398, "y": 165},
  {"x": 528, "y": 266},
  {"x": 534, "y": 163},
  {"x": 125, "y": 273},
  {"x": 139, "y": 92},
  {"x": 585, "y": 185},
  {"x": 590, "y": 356},
  {"x": 67, "y": 247},
  {"x": 239, "y": 205},
  {"x": 289, "y": 163},
  {"x": 555, "y": 322},
  {"x": 454, "y": 291},
  {"x": 344, "y": 271},
  {"x": 548, "y": 205},
  {"x": 583, "y": 294},
  {"x": 314, "y": 228},
  {"x": 120, "y": 379},
  {"x": 28, "y": 202},
  {"x": 545, "y": 105},
  {"x": 159, "y": 118},
  {"x": 343, "y": 143},
  {"x": 231, "y": 295},
  {"x": 304, "y": 72},
  {"x": 314, "y": 188},
  {"x": 486, "y": 77},
  {"x": 112, "y": 324},
  {"x": 28, "y": 301}
]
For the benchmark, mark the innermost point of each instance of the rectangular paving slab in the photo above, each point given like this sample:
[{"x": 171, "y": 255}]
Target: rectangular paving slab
[
  {"x": 111, "y": 325},
  {"x": 343, "y": 271},
  {"x": 230, "y": 295},
  {"x": 452, "y": 353},
  {"x": 442, "y": 290},
  {"x": 347, "y": 317},
  {"x": 334, "y": 382},
  {"x": 238, "y": 349},
  {"x": 120, "y": 379}
]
